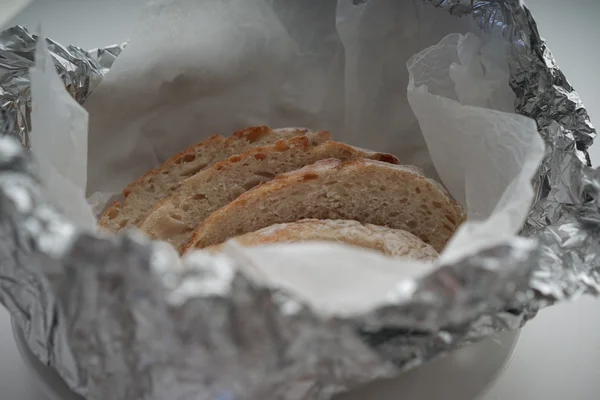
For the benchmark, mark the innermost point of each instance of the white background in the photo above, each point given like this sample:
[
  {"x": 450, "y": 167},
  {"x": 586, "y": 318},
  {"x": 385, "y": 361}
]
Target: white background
[{"x": 558, "y": 355}]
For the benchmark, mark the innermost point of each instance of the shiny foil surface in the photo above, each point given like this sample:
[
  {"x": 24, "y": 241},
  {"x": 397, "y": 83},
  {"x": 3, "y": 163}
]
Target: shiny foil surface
[
  {"x": 121, "y": 318},
  {"x": 81, "y": 72}
]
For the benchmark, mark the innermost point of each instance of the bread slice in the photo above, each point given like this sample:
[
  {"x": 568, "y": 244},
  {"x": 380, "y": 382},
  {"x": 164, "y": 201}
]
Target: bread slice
[
  {"x": 368, "y": 191},
  {"x": 143, "y": 194},
  {"x": 391, "y": 242},
  {"x": 175, "y": 218}
]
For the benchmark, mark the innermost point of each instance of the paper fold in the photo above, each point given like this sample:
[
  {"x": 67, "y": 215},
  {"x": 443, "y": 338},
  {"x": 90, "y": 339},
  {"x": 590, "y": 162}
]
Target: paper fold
[
  {"x": 244, "y": 62},
  {"x": 59, "y": 140}
]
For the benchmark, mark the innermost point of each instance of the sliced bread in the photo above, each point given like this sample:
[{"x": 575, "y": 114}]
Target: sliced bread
[
  {"x": 143, "y": 194},
  {"x": 391, "y": 242},
  {"x": 368, "y": 191},
  {"x": 174, "y": 219}
]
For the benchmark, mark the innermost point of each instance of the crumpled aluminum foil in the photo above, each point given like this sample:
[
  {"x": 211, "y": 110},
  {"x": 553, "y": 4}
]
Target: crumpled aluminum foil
[
  {"x": 203, "y": 330},
  {"x": 81, "y": 71}
]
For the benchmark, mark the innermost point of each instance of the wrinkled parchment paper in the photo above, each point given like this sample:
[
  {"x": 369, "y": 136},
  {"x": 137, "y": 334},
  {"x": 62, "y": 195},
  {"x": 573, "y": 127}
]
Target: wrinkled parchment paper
[
  {"x": 60, "y": 141},
  {"x": 458, "y": 89},
  {"x": 161, "y": 327}
]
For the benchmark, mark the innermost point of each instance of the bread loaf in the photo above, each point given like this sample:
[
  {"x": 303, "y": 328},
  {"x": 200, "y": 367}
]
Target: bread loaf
[
  {"x": 368, "y": 191},
  {"x": 174, "y": 219},
  {"x": 143, "y": 194},
  {"x": 392, "y": 242}
]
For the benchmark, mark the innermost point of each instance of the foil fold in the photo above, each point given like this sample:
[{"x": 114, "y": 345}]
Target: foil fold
[
  {"x": 80, "y": 70},
  {"x": 202, "y": 323}
]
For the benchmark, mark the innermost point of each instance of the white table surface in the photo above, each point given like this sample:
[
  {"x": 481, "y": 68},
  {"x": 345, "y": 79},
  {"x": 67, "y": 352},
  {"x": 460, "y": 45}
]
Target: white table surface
[{"x": 558, "y": 355}]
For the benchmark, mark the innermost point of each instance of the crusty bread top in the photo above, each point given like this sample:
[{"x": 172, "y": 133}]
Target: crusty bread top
[
  {"x": 143, "y": 194},
  {"x": 368, "y": 191},
  {"x": 392, "y": 242},
  {"x": 174, "y": 219}
]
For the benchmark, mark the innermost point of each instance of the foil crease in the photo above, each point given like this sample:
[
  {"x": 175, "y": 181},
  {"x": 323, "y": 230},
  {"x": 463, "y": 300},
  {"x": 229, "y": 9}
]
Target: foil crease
[
  {"x": 197, "y": 327},
  {"x": 80, "y": 71}
]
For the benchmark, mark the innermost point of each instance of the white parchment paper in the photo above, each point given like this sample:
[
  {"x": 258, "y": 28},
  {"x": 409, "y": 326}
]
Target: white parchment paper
[
  {"x": 59, "y": 140},
  {"x": 193, "y": 68}
]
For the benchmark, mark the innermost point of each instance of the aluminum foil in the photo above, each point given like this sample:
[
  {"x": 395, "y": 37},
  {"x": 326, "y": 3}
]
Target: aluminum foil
[
  {"x": 203, "y": 330},
  {"x": 80, "y": 71}
]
